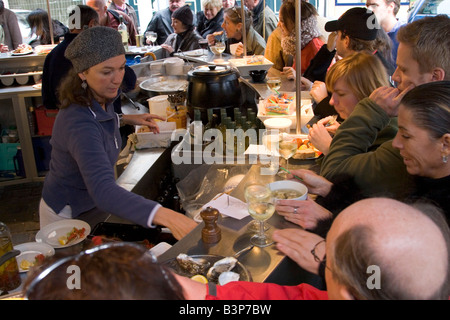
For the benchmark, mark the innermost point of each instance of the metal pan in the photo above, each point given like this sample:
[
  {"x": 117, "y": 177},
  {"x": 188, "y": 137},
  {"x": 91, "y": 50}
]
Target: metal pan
[{"x": 163, "y": 85}]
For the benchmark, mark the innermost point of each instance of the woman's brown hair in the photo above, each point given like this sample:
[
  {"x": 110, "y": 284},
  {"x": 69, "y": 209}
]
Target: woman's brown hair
[{"x": 363, "y": 72}]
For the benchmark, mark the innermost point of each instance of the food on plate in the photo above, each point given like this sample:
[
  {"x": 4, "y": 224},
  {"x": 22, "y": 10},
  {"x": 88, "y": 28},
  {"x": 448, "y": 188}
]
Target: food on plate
[
  {"x": 144, "y": 129},
  {"x": 22, "y": 49},
  {"x": 305, "y": 150},
  {"x": 254, "y": 60},
  {"x": 200, "y": 278},
  {"x": 192, "y": 265},
  {"x": 38, "y": 259},
  {"x": 286, "y": 194},
  {"x": 74, "y": 234},
  {"x": 277, "y": 104}
]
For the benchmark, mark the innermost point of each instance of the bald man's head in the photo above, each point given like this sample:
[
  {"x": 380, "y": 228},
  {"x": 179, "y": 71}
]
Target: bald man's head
[{"x": 407, "y": 250}]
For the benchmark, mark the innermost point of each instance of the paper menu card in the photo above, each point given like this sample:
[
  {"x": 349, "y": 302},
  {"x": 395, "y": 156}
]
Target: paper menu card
[{"x": 229, "y": 206}]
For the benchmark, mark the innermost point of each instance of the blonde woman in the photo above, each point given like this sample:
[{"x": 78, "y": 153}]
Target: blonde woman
[
  {"x": 211, "y": 18},
  {"x": 350, "y": 80}
]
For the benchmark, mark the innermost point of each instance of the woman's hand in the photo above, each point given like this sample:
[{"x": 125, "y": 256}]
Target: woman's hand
[
  {"x": 332, "y": 128},
  {"x": 289, "y": 72},
  {"x": 211, "y": 39},
  {"x": 168, "y": 48},
  {"x": 306, "y": 84},
  {"x": 144, "y": 119},
  {"x": 320, "y": 137},
  {"x": 239, "y": 50},
  {"x": 178, "y": 223},
  {"x": 297, "y": 245},
  {"x": 316, "y": 184},
  {"x": 331, "y": 43},
  {"x": 318, "y": 91},
  {"x": 304, "y": 213}
]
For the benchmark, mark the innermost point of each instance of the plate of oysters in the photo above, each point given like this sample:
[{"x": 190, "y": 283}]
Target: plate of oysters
[{"x": 214, "y": 268}]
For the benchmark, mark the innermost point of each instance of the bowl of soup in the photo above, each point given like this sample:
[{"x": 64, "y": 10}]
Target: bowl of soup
[{"x": 288, "y": 190}]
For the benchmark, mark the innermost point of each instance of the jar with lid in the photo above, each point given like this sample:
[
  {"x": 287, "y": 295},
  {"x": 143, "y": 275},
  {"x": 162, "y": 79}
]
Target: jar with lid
[{"x": 9, "y": 270}]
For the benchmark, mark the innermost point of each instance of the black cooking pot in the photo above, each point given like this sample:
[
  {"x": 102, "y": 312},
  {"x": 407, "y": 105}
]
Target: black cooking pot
[{"x": 212, "y": 87}]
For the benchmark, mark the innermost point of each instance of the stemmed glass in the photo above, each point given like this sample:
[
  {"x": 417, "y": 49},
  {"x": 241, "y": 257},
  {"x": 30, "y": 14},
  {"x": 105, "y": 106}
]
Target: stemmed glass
[
  {"x": 151, "y": 37},
  {"x": 274, "y": 84},
  {"x": 271, "y": 140},
  {"x": 286, "y": 148},
  {"x": 220, "y": 45},
  {"x": 261, "y": 207}
]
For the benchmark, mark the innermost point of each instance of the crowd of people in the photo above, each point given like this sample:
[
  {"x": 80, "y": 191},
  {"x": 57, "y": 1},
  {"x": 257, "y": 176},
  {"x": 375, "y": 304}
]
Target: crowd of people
[{"x": 382, "y": 191}]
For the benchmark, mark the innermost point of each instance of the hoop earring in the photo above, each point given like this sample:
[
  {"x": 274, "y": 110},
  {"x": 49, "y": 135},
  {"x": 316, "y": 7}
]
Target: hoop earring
[{"x": 84, "y": 84}]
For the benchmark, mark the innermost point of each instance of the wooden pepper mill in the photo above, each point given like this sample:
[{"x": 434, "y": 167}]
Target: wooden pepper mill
[{"x": 211, "y": 233}]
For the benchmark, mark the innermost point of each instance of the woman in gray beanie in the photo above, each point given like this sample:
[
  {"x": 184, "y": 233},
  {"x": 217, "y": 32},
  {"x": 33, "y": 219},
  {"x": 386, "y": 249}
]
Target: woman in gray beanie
[
  {"x": 86, "y": 142},
  {"x": 185, "y": 37}
]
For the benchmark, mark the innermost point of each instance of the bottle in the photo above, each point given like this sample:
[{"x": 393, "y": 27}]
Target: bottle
[
  {"x": 9, "y": 271},
  {"x": 31, "y": 121},
  {"x": 123, "y": 32}
]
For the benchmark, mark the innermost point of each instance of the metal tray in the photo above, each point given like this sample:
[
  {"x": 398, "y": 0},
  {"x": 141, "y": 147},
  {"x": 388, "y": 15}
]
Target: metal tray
[{"x": 238, "y": 268}]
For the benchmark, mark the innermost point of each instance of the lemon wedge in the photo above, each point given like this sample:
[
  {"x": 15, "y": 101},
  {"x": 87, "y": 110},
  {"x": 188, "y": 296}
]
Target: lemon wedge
[
  {"x": 25, "y": 265},
  {"x": 200, "y": 278},
  {"x": 62, "y": 240}
]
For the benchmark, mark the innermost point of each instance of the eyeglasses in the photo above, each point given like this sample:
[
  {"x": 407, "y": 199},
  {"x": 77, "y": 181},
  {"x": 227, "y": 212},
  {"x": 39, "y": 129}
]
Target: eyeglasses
[
  {"x": 323, "y": 261},
  {"x": 145, "y": 254}
]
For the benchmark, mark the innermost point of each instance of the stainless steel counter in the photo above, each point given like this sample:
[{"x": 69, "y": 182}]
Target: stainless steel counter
[{"x": 264, "y": 264}]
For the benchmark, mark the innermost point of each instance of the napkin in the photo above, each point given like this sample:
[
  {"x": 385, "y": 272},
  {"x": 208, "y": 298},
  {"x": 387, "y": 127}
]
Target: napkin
[
  {"x": 259, "y": 149},
  {"x": 229, "y": 206}
]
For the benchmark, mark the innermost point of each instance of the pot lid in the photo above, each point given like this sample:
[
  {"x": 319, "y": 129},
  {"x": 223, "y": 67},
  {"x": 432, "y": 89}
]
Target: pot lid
[{"x": 211, "y": 70}]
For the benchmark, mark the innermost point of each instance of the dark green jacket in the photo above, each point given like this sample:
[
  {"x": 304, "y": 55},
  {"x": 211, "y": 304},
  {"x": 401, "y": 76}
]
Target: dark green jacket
[{"x": 376, "y": 172}]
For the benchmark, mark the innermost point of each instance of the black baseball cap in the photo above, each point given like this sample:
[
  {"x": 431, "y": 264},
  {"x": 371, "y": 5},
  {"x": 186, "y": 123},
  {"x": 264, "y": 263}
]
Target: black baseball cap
[{"x": 359, "y": 23}]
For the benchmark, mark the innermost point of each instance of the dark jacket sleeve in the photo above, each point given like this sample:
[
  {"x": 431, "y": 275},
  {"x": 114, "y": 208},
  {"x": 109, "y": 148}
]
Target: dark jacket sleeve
[{"x": 319, "y": 65}]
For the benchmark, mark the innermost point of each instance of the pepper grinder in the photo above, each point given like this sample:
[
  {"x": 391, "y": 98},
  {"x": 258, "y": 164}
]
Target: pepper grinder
[{"x": 211, "y": 233}]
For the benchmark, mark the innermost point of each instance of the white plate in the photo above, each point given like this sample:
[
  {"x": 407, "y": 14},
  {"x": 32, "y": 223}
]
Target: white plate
[
  {"x": 50, "y": 233},
  {"x": 29, "y": 251},
  {"x": 194, "y": 53},
  {"x": 21, "y": 53}
]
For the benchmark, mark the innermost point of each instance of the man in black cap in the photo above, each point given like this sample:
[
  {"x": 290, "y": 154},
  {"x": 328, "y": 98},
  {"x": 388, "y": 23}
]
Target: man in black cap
[
  {"x": 185, "y": 37},
  {"x": 354, "y": 31}
]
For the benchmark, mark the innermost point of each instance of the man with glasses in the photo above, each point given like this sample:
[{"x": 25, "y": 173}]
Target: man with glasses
[{"x": 377, "y": 248}]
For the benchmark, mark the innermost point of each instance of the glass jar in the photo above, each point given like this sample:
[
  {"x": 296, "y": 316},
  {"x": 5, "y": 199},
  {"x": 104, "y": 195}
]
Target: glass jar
[{"x": 9, "y": 271}]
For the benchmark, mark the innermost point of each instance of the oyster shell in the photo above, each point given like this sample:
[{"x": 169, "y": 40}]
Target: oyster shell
[
  {"x": 228, "y": 276},
  {"x": 221, "y": 266},
  {"x": 191, "y": 265}
]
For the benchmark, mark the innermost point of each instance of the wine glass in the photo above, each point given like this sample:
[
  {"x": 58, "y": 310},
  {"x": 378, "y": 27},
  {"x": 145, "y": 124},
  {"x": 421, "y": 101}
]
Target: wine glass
[
  {"x": 203, "y": 43},
  {"x": 220, "y": 45},
  {"x": 261, "y": 206},
  {"x": 271, "y": 140},
  {"x": 274, "y": 84},
  {"x": 287, "y": 147},
  {"x": 151, "y": 37}
]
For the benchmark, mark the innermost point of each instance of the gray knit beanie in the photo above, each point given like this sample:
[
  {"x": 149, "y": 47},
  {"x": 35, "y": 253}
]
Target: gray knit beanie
[
  {"x": 184, "y": 14},
  {"x": 93, "y": 46}
]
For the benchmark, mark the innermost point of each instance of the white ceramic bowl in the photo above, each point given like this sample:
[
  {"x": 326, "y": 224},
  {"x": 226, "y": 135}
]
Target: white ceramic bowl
[
  {"x": 282, "y": 124},
  {"x": 288, "y": 184}
]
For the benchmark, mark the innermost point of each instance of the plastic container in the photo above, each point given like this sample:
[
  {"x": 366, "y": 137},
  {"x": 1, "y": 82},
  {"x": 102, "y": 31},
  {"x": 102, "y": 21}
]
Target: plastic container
[
  {"x": 7, "y": 153},
  {"x": 45, "y": 119}
]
